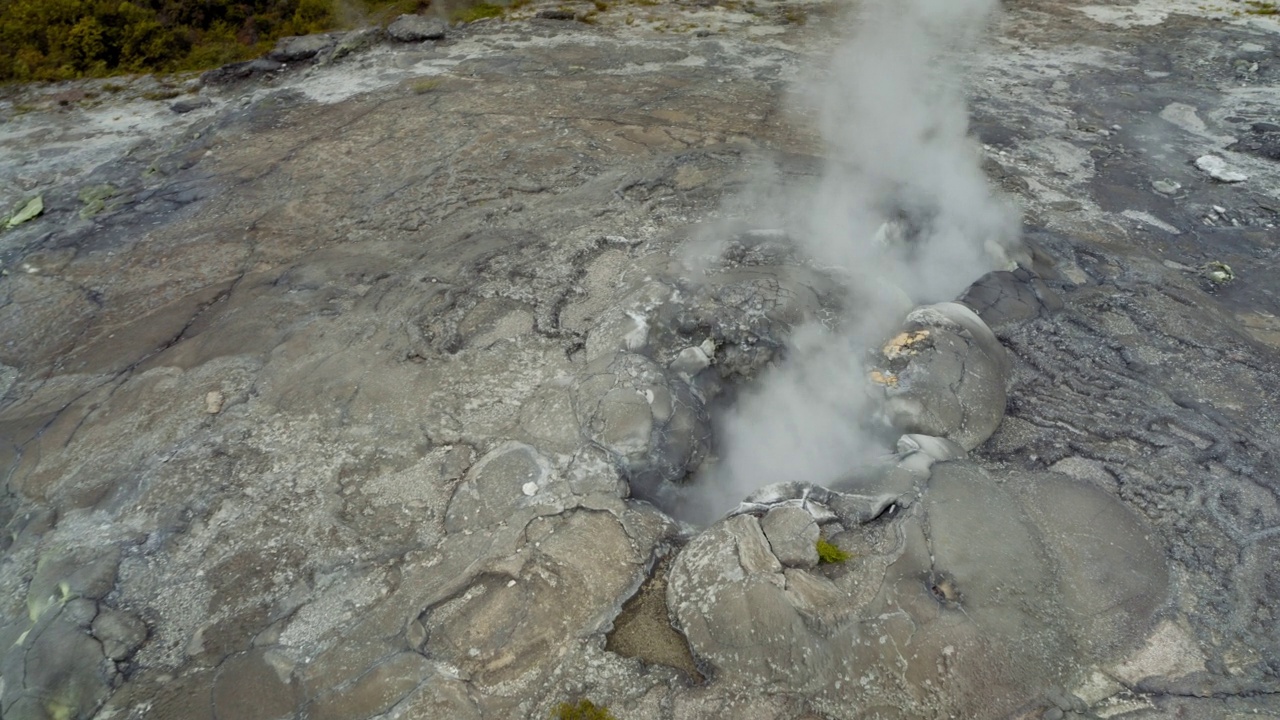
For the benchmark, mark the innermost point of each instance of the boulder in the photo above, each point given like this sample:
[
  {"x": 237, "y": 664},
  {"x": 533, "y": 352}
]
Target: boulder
[
  {"x": 1010, "y": 296},
  {"x": 416, "y": 28},
  {"x": 655, "y": 429},
  {"x": 944, "y": 375},
  {"x": 793, "y": 536},
  {"x": 297, "y": 49},
  {"x": 960, "y": 599}
]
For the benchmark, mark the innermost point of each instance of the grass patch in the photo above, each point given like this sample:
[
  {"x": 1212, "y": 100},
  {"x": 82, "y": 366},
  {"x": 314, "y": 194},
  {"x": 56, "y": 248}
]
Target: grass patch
[
  {"x": 582, "y": 710},
  {"x": 479, "y": 11},
  {"x": 422, "y": 86},
  {"x": 830, "y": 554},
  {"x": 95, "y": 199},
  {"x": 162, "y": 94},
  {"x": 795, "y": 16},
  {"x": 1255, "y": 7}
]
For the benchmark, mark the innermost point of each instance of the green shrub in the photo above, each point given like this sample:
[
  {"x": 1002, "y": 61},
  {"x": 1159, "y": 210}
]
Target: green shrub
[
  {"x": 583, "y": 710},
  {"x": 64, "y": 39},
  {"x": 829, "y": 553},
  {"x": 479, "y": 11}
]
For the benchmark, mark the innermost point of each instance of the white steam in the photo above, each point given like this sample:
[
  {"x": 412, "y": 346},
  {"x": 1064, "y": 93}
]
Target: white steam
[{"x": 902, "y": 209}]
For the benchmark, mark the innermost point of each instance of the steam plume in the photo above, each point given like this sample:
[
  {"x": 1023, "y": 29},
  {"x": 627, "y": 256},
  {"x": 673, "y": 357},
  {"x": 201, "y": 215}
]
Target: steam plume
[{"x": 902, "y": 210}]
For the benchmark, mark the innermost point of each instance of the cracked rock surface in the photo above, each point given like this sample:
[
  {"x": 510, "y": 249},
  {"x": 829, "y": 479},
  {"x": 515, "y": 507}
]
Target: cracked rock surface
[
  {"x": 342, "y": 393},
  {"x": 964, "y": 602}
]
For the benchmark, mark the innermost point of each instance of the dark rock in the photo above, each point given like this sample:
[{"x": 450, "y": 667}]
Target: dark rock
[
  {"x": 556, "y": 14},
  {"x": 120, "y": 633},
  {"x": 297, "y": 49},
  {"x": 1264, "y": 144},
  {"x": 240, "y": 71},
  {"x": 416, "y": 28},
  {"x": 185, "y": 106},
  {"x": 354, "y": 41},
  {"x": 1006, "y": 296}
]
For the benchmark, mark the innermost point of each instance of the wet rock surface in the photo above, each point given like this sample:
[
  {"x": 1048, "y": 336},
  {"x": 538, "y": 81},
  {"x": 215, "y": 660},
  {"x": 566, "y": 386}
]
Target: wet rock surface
[{"x": 328, "y": 397}]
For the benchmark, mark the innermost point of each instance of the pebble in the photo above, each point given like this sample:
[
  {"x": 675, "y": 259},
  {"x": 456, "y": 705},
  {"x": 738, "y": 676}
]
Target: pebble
[
  {"x": 1166, "y": 187},
  {"x": 530, "y": 489},
  {"x": 1218, "y": 169},
  {"x": 213, "y": 401}
]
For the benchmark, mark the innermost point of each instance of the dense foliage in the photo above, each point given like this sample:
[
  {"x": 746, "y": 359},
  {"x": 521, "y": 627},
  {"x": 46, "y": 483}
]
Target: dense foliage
[{"x": 62, "y": 39}]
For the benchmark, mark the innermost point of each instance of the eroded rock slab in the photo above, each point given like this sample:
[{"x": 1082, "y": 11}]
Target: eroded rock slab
[{"x": 327, "y": 399}]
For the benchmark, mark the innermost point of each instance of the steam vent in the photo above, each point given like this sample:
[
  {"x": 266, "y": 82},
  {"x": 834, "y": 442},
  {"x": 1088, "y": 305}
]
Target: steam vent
[{"x": 634, "y": 360}]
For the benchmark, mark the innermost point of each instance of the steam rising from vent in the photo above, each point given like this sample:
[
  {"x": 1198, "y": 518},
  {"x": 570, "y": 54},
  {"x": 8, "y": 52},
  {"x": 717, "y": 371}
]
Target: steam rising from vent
[{"x": 902, "y": 209}]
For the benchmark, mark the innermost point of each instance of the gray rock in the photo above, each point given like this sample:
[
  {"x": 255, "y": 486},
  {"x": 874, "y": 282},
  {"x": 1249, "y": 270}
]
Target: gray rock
[
  {"x": 8, "y": 376},
  {"x": 297, "y": 49},
  {"x": 234, "y": 72},
  {"x": 1165, "y": 187},
  {"x": 944, "y": 375},
  {"x": 1253, "y": 51},
  {"x": 352, "y": 42},
  {"x": 74, "y": 572},
  {"x": 183, "y": 107},
  {"x": 416, "y": 28},
  {"x": 496, "y": 485},
  {"x": 119, "y": 632},
  {"x": 1217, "y": 168},
  {"x": 652, "y": 425},
  {"x": 793, "y": 536},
  {"x": 1010, "y": 296},
  {"x": 56, "y": 670}
]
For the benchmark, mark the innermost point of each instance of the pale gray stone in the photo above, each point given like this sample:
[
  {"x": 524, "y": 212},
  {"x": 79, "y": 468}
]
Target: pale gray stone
[
  {"x": 793, "y": 536},
  {"x": 296, "y": 49},
  {"x": 416, "y": 28}
]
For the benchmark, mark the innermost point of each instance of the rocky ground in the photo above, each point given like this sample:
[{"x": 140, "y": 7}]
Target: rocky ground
[{"x": 333, "y": 386}]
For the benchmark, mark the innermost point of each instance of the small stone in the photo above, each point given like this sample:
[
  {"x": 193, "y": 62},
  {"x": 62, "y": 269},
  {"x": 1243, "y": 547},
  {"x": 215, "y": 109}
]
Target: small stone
[
  {"x": 530, "y": 489},
  {"x": 183, "y": 107},
  {"x": 1218, "y": 273},
  {"x": 690, "y": 362},
  {"x": 213, "y": 401},
  {"x": 120, "y": 633},
  {"x": 1218, "y": 169},
  {"x": 1166, "y": 187},
  {"x": 416, "y": 28}
]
